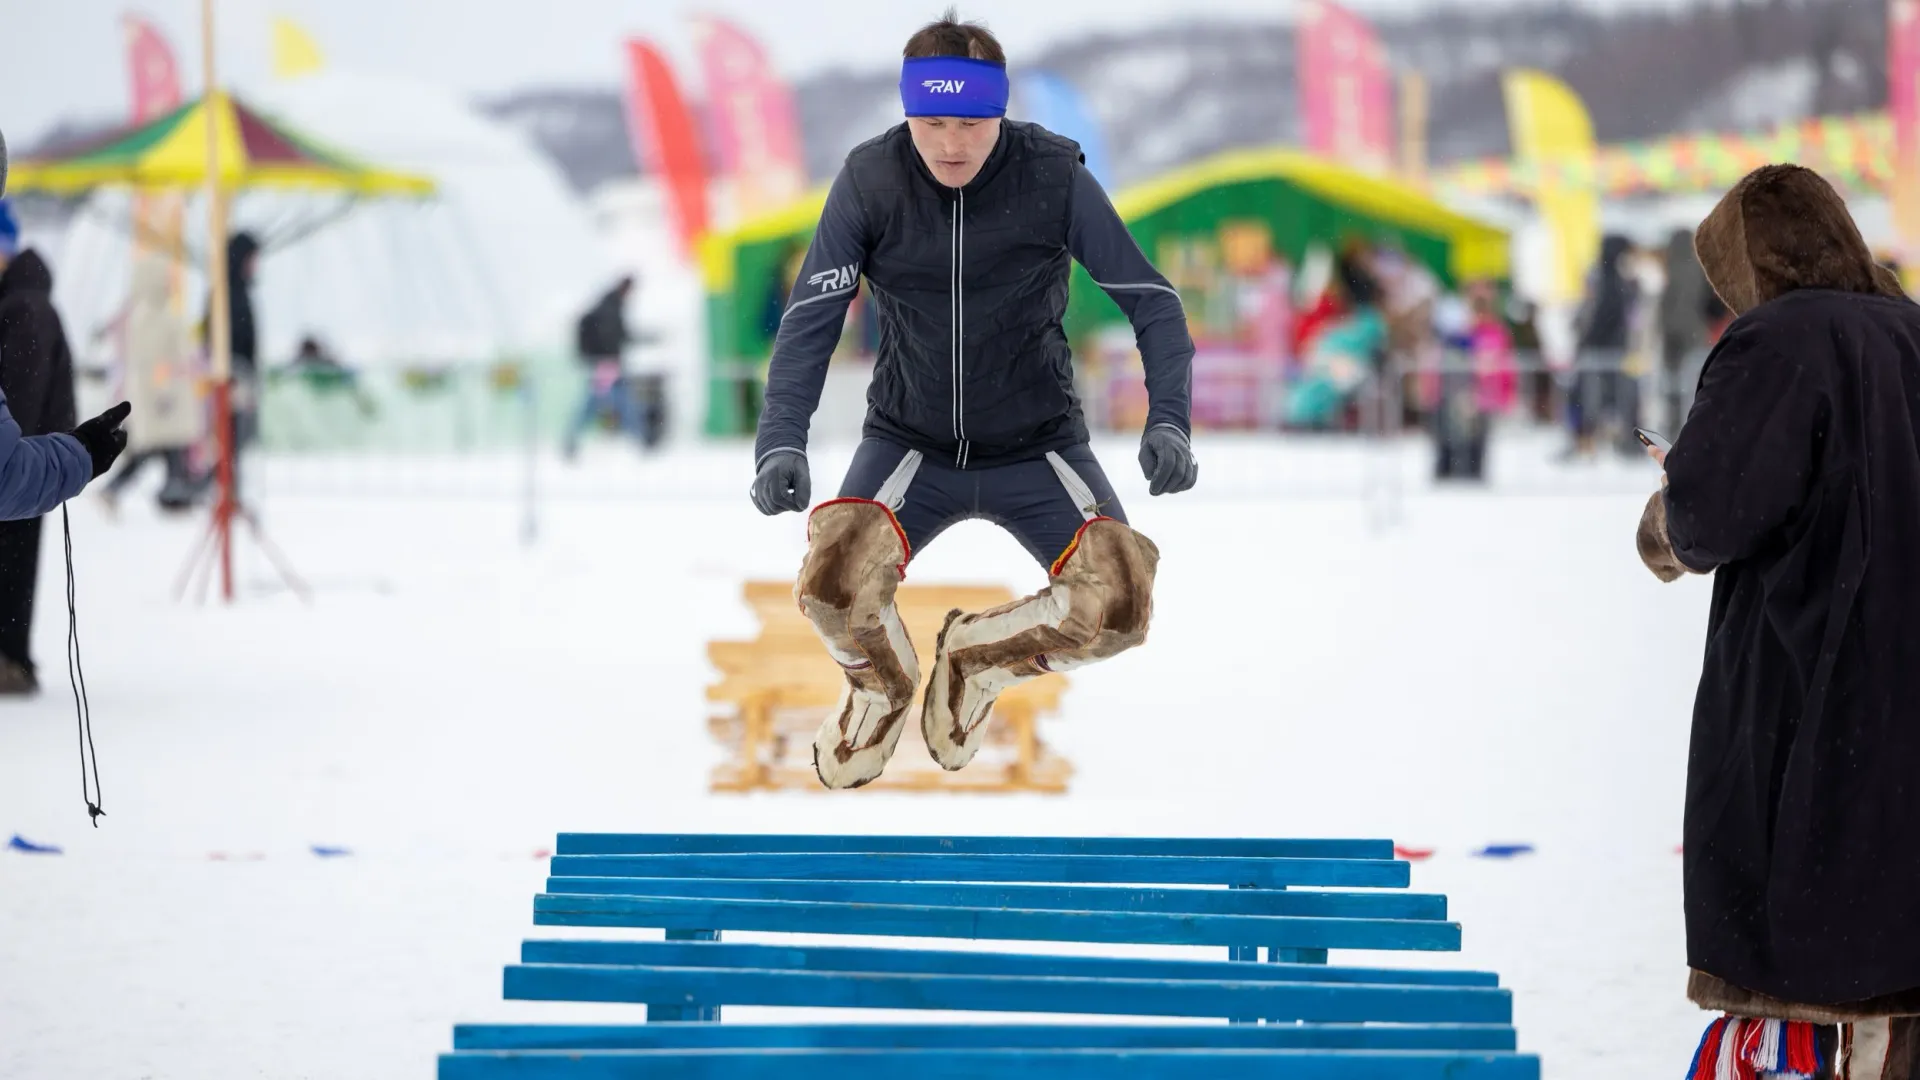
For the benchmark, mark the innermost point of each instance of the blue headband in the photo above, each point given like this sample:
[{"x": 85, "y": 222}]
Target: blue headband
[{"x": 953, "y": 86}]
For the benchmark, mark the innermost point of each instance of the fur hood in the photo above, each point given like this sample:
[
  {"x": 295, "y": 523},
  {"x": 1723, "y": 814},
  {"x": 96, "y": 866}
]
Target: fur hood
[{"x": 1783, "y": 228}]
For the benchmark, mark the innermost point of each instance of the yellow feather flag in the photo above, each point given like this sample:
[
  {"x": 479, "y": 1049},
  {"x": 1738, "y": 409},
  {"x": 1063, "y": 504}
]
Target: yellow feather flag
[
  {"x": 294, "y": 51},
  {"x": 1553, "y": 144}
]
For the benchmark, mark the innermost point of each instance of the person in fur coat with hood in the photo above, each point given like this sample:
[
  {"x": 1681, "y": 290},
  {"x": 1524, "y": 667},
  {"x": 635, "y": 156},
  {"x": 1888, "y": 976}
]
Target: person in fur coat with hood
[{"x": 1796, "y": 484}]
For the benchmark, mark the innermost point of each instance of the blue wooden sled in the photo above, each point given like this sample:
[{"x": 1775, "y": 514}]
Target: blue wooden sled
[{"x": 1238, "y": 894}]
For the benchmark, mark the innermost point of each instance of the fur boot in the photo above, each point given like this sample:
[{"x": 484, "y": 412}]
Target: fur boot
[
  {"x": 1097, "y": 605},
  {"x": 855, "y": 556}
]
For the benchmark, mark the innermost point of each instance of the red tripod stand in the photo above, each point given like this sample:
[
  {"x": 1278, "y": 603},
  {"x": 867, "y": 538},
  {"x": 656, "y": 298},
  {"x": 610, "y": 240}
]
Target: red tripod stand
[{"x": 216, "y": 545}]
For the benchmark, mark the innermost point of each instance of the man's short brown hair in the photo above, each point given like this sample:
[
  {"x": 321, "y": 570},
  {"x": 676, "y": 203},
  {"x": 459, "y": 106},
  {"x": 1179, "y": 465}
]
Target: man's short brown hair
[{"x": 948, "y": 36}]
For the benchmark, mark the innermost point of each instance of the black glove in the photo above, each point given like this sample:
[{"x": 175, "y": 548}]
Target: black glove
[
  {"x": 104, "y": 438},
  {"x": 1166, "y": 457},
  {"x": 783, "y": 484}
]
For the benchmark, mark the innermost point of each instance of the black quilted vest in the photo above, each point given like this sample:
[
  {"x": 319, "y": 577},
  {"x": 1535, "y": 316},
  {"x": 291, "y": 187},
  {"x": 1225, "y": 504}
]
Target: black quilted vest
[{"x": 969, "y": 285}]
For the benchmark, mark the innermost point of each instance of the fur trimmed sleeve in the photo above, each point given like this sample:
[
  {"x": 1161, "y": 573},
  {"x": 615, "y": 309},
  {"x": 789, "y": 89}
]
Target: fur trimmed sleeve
[{"x": 1656, "y": 547}]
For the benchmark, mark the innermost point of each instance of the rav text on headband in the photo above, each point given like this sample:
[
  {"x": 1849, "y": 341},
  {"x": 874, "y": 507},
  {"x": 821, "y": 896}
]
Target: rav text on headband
[{"x": 953, "y": 86}]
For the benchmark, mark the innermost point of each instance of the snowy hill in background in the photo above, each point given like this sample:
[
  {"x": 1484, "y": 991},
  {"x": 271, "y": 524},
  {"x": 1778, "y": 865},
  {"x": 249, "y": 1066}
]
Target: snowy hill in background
[
  {"x": 1189, "y": 89},
  {"x": 584, "y": 131}
]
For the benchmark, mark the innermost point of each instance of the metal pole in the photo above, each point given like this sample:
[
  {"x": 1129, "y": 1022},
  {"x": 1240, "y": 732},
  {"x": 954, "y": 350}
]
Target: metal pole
[
  {"x": 219, "y": 334},
  {"x": 1371, "y": 393},
  {"x": 530, "y": 406},
  {"x": 1413, "y": 128},
  {"x": 1395, "y": 411}
]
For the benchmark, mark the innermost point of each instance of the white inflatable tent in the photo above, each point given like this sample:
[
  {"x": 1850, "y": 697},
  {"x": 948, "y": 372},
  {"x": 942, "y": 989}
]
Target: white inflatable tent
[{"x": 497, "y": 264}]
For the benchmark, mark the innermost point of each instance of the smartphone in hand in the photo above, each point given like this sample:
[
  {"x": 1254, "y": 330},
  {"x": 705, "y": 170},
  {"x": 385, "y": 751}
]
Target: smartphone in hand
[{"x": 1652, "y": 439}]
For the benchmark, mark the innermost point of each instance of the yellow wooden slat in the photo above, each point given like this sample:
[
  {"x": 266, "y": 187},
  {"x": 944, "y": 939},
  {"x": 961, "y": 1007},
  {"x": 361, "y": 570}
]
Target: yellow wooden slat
[{"x": 782, "y": 682}]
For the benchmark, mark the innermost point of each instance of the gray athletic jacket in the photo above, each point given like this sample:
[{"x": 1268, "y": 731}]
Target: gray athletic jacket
[{"x": 969, "y": 285}]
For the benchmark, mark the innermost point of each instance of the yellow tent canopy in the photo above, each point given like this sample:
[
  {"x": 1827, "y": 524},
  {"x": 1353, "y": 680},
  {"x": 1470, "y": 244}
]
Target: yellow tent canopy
[
  {"x": 171, "y": 152},
  {"x": 1303, "y": 188}
]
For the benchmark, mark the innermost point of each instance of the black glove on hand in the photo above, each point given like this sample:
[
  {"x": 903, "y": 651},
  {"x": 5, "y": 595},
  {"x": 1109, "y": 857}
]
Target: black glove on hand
[
  {"x": 1166, "y": 457},
  {"x": 783, "y": 484},
  {"x": 104, "y": 438}
]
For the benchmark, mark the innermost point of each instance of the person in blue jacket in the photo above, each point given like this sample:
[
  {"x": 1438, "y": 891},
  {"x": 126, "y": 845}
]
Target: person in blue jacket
[
  {"x": 45, "y": 458},
  {"x": 40, "y": 471}
]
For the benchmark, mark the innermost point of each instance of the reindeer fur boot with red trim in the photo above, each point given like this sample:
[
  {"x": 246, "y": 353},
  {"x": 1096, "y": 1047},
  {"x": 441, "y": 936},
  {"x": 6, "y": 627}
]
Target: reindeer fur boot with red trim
[
  {"x": 1097, "y": 605},
  {"x": 855, "y": 556}
]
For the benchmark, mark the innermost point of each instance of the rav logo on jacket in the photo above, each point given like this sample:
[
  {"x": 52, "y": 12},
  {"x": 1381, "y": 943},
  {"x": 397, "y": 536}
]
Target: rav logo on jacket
[{"x": 840, "y": 277}]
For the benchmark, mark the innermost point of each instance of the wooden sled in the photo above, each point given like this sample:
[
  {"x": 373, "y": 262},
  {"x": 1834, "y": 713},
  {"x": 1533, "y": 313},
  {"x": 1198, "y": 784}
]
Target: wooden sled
[{"x": 775, "y": 690}]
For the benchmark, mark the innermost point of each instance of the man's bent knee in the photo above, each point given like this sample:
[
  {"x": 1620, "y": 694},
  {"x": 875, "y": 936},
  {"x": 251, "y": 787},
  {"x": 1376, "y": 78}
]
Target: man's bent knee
[
  {"x": 1107, "y": 575},
  {"x": 1097, "y": 605},
  {"x": 855, "y": 556}
]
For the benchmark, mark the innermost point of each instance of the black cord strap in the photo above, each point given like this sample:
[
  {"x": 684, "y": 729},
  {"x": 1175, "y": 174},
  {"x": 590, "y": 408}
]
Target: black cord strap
[{"x": 83, "y": 711}]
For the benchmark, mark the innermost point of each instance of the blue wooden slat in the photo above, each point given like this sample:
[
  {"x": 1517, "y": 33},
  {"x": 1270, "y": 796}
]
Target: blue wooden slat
[
  {"x": 1313, "y": 1002},
  {"x": 896, "y": 920},
  {"x": 974, "y": 1064},
  {"x": 981, "y": 1036},
  {"x": 849, "y": 959},
  {"x": 1350, "y": 905},
  {"x": 1062, "y": 869},
  {"x": 1296, "y": 958},
  {"x": 669, "y": 1013},
  {"x": 697, "y": 843},
  {"x": 1243, "y": 953}
]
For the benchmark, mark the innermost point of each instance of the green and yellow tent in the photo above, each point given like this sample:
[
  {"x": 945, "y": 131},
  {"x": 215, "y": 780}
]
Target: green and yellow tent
[
  {"x": 1297, "y": 199},
  {"x": 171, "y": 152}
]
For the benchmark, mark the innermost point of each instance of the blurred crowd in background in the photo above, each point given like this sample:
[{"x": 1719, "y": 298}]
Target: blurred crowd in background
[{"x": 1360, "y": 339}]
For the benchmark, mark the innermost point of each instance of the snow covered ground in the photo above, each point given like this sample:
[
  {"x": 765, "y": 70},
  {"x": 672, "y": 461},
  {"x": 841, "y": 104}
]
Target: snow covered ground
[{"x": 1494, "y": 668}]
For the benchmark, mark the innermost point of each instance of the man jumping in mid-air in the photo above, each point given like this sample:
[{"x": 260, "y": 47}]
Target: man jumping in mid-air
[{"x": 965, "y": 226}]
